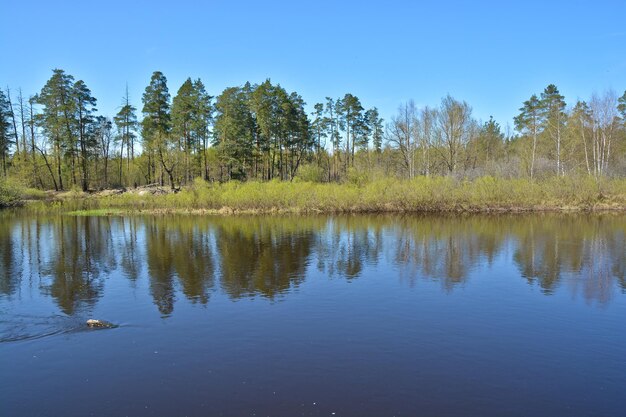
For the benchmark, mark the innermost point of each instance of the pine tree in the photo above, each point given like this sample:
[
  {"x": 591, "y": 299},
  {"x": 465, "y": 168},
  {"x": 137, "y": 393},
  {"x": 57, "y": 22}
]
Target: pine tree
[
  {"x": 85, "y": 107},
  {"x": 299, "y": 140},
  {"x": 235, "y": 130},
  {"x": 334, "y": 124},
  {"x": 183, "y": 106},
  {"x": 375, "y": 128},
  {"x": 553, "y": 119},
  {"x": 102, "y": 132},
  {"x": 491, "y": 140},
  {"x": 264, "y": 104},
  {"x": 5, "y": 131},
  {"x": 373, "y": 132},
  {"x": 156, "y": 125},
  {"x": 201, "y": 122},
  {"x": 529, "y": 122},
  {"x": 57, "y": 119},
  {"x": 351, "y": 113},
  {"x": 621, "y": 107},
  {"x": 320, "y": 130},
  {"x": 126, "y": 123}
]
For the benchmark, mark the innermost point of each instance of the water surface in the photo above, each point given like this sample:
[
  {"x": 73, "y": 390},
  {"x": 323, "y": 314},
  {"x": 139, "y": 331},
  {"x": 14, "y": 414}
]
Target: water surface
[{"x": 313, "y": 316}]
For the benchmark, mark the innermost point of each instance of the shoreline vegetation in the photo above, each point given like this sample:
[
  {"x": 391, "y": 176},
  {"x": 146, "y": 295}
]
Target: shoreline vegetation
[
  {"x": 258, "y": 148},
  {"x": 388, "y": 195}
]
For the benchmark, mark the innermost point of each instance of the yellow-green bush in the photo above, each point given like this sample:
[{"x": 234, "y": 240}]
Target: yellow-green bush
[
  {"x": 10, "y": 194},
  {"x": 381, "y": 195}
]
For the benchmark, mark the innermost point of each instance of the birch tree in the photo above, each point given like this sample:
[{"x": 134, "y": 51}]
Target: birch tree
[
  {"x": 455, "y": 124},
  {"x": 402, "y": 134},
  {"x": 605, "y": 125}
]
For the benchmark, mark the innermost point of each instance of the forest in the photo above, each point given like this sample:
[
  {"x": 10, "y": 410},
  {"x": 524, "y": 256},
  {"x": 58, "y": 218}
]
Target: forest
[{"x": 55, "y": 139}]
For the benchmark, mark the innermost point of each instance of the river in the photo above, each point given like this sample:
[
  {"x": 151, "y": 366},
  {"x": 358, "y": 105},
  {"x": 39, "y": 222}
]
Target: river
[{"x": 477, "y": 315}]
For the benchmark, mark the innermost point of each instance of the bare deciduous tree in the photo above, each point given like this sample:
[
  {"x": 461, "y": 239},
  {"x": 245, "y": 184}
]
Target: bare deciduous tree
[
  {"x": 455, "y": 124},
  {"x": 403, "y": 134},
  {"x": 605, "y": 122}
]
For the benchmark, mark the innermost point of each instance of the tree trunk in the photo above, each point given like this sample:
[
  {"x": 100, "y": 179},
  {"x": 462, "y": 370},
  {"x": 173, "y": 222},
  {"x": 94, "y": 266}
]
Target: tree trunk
[
  {"x": 45, "y": 159},
  {"x": 17, "y": 140}
]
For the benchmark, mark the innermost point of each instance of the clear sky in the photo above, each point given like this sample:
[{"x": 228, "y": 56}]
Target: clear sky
[{"x": 493, "y": 54}]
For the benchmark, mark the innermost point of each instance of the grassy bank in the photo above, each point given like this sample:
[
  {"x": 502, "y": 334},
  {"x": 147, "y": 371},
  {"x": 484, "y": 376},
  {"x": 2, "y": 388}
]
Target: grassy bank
[{"x": 422, "y": 194}]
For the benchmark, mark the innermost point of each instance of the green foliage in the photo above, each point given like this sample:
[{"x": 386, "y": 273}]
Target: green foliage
[
  {"x": 261, "y": 132},
  {"x": 192, "y": 114},
  {"x": 374, "y": 127},
  {"x": 57, "y": 119},
  {"x": 156, "y": 127},
  {"x": 621, "y": 107},
  {"x": 553, "y": 118},
  {"x": 156, "y": 123},
  {"x": 85, "y": 127},
  {"x": 311, "y": 173},
  {"x": 350, "y": 113},
  {"x": 235, "y": 128},
  {"x": 5, "y": 131},
  {"x": 126, "y": 122},
  {"x": 357, "y": 177},
  {"x": 10, "y": 194}
]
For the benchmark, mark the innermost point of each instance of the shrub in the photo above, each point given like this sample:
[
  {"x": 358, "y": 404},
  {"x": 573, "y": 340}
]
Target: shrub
[
  {"x": 10, "y": 194},
  {"x": 362, "y": 195}
]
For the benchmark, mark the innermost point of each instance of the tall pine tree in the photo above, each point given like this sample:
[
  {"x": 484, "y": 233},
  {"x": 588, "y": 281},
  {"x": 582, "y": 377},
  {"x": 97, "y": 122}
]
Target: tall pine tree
[
  {"x": 126, "y": 123},
  {"x": 5, "y": 131},
  {"x": 553, "y": 117},
  {"x": 57, "y": 119},
  {"x": 156, "y": 127},
  {"x": 528, "y": 122},
  {"x": 85, "y": 107}
]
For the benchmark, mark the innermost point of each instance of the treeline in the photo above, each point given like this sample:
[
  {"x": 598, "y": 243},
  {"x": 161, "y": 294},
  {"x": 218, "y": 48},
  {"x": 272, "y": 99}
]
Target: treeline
[
  {"x": 56, "y": 139},
  {"x": 550, "y": 139}
]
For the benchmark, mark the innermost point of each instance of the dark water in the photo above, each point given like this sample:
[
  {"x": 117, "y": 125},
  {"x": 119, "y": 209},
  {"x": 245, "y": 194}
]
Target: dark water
[{"x": 313, "y": 316}]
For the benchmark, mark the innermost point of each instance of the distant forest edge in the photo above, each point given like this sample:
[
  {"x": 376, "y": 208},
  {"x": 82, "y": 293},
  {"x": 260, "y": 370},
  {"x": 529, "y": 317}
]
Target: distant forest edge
[{"x": 56, "y": 140}]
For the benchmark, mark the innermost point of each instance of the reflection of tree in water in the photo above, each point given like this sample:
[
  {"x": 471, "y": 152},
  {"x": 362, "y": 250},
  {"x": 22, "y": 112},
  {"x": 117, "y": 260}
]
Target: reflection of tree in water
[
  {"x": 347, "y": 245},
  {"x": 585, "y": 251},
  {"x": 262, "y": 256},
  {"x": 160, "y": 268},
  {"x": 617, "y": 249},
  {"x": 269, "y": 256},
  {"x": 539, "y": 250},
  {"x": 596, "y": 273},
  {"x": 9, "y": 269},
  {"x": 193, "y": 262},
  {"x": 603, "y": 263},
  {"x": 446, "y": 248},
  {"x": 181, "y": 249},
  {"x": 80, "y": 250},
  {"x": 130, "y": 256}
]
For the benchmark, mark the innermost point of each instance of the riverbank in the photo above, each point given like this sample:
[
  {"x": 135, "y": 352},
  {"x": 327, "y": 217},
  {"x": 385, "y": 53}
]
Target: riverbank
[{"x": 439, "y": 194}]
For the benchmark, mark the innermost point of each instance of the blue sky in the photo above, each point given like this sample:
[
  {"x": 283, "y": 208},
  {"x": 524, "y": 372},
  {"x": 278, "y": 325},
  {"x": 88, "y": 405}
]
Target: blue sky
[{"x": 492, "y": 54}]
